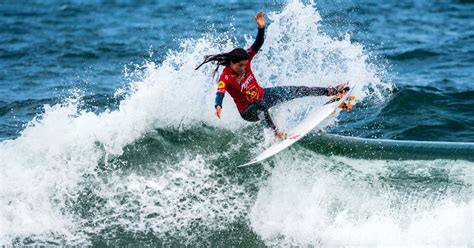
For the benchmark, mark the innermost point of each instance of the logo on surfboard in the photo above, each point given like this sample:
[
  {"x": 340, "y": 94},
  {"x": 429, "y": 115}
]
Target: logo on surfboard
[{"x": 294, "y": 136}]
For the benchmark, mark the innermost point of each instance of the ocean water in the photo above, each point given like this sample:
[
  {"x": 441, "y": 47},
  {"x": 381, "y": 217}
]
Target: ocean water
[{"x": 107, "y": 133}]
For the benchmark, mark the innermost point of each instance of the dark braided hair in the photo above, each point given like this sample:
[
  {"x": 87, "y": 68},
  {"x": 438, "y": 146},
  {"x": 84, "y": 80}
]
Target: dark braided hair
[{"x": 234, "y": 56}]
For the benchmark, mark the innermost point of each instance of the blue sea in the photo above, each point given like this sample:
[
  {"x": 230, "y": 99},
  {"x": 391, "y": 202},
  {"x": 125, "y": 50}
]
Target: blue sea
[{"x": 108, "y": 135}]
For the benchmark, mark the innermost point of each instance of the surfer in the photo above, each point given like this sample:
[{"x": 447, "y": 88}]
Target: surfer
[{"x": 253, "y": 101}]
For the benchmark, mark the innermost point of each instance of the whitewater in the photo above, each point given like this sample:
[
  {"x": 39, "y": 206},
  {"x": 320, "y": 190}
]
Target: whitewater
[{"x": 160, "y": 169}]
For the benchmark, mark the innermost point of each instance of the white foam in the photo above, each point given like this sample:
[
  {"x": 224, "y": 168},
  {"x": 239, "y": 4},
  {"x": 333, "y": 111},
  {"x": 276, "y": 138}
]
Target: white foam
[
  {"x": 42, "y": 167},
  {"x": 296, "y": 52},
  {"x": 42, "y": 170},
  {"x": 326, "y": 202},
  {"x": 186, "y": 196}
]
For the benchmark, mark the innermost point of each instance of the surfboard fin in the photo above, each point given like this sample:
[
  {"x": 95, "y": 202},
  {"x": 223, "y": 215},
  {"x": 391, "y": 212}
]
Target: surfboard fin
[{"x": 345, "y": 106}]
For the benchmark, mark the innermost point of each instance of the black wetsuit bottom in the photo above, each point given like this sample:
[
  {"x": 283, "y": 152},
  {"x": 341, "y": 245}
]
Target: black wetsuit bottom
[{"x": 274, "y": 96}]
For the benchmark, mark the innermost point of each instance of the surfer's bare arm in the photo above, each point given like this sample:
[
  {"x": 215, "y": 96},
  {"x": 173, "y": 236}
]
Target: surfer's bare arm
[{"x": 260, "y": 20}]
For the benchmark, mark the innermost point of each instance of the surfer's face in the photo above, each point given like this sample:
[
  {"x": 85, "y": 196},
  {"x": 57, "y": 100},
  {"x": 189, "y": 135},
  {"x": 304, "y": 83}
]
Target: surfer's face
[{"x": 238, "y": 67}]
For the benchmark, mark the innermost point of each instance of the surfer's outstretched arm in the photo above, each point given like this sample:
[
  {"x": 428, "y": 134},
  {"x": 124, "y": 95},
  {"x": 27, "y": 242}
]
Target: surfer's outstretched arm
[
  {"x": 260, "y": 20},
  {"x": 257, "y": 44}
]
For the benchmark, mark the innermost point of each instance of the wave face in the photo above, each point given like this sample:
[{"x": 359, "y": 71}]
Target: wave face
[{"x": 145, "y": 162}]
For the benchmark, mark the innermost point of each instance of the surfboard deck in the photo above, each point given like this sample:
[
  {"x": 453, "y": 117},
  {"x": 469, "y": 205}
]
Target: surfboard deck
[{"x": 311, "y": 122}]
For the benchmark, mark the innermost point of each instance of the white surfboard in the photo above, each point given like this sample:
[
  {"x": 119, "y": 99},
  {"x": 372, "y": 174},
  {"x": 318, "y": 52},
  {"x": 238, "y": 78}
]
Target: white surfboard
[{"x": 303, "y": 128}]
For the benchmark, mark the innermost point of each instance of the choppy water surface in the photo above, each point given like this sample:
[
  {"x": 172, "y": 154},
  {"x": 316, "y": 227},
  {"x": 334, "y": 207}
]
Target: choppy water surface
[{"x": 108, "y": 134}]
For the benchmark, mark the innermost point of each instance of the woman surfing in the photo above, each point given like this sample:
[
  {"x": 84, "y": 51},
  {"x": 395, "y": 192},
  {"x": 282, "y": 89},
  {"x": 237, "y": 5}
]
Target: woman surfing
[{"x": 253, "y": 101}]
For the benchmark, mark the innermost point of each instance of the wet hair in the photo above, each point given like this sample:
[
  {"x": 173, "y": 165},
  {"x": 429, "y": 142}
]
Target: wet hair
[{"x": 234, "y": 56}]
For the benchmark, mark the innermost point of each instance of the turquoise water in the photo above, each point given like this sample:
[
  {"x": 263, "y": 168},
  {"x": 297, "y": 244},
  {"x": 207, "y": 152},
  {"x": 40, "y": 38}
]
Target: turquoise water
[{"x": 108, "y": 135}]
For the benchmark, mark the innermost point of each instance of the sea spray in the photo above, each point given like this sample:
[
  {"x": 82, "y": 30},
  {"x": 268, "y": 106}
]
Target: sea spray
[
  {"x": 334, "y": 201},
  {"x": 69, "y": 154},
  {"x": 297, "y": 52}
]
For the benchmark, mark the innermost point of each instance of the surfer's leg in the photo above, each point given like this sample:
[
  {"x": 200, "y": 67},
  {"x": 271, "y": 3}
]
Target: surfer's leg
[
  {"x": 280, "y": 94},
  {"x": 250, "y": 113},
  {"x": 258, "y": 111}
]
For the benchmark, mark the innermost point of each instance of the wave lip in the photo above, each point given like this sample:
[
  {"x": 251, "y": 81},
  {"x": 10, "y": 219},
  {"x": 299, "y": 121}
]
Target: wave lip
[{"x": 356, "y": 147}]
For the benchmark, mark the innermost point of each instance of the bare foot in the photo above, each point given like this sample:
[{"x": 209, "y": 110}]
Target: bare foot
[
  {"x": 280, "y": 135},
  {"x": 342, "y": 87}
]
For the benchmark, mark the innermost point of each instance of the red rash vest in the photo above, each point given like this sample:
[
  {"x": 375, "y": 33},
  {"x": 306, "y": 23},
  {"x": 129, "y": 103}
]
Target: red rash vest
[{"x": 243, "y": 88}]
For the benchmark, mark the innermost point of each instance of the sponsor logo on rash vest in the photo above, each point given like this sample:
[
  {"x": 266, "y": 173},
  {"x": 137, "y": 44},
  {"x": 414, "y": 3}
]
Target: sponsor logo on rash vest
[
  {"x": 221, "y": 87},
  {"x": 246, "y": 83},
  {"x": 252, "y": 94}
]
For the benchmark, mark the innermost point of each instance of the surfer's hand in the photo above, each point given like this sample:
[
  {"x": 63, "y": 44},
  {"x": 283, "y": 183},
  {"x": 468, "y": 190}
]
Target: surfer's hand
[
  {"x": 280, "y": 134},
  {"x": 218, "y": 111},
  {"x": 260, "y": 19}
]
